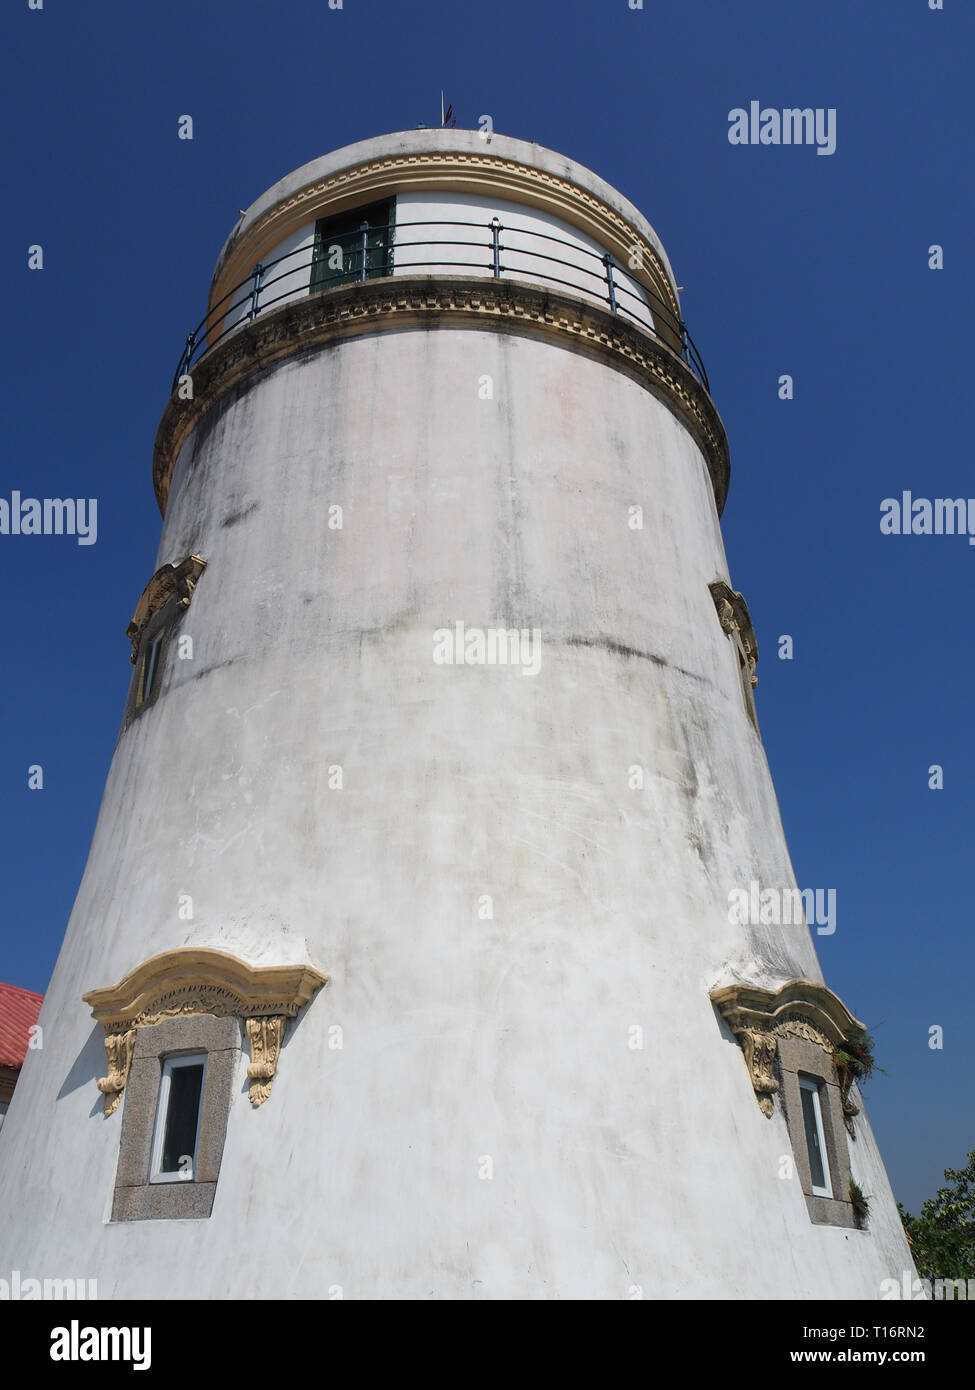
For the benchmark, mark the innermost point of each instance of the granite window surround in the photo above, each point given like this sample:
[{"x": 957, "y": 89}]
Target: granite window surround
[
  {"x": 136, "y": 1198},
  {"x": 787, "y": 1034},
  {"x": 799, "y": 1058}
]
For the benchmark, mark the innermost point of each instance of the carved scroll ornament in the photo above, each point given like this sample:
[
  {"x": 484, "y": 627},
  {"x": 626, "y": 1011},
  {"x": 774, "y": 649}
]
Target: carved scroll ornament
[
  {"x": 265, "y": 1036},
  {"x": 198, "y": 980},
  {"x": 118, "y": 1049}
]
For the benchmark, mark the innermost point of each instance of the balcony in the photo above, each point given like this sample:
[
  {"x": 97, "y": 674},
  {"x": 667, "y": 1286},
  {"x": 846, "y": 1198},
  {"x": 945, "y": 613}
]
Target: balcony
[{"x": 488, "y": 249}]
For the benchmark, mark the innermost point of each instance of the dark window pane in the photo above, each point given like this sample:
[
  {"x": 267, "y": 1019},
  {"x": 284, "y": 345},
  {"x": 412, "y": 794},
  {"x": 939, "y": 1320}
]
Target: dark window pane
[
  {"x": 182, "y": 1116},
  {"x": 150, "y": 666},
  {"x": 338, "y": 246},
  {"x": 817, "y": 1165}
]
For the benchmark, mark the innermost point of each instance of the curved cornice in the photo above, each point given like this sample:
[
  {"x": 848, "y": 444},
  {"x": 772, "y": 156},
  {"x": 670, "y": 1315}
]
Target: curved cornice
[
  {"x": 448, "y": 301},
  {"x": 750, "y": 1006},
  {"x": 467, "y": 171},
  {"x": 196, "y": 979}
]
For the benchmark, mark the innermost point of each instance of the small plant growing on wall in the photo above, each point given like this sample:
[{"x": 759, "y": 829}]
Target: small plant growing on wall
[
  {"x": 860, "y": 1204},
  {"x": 855, "y": 1056}
]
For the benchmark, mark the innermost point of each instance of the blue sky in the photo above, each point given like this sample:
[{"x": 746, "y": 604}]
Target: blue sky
[{"x": 792, "y": 262}]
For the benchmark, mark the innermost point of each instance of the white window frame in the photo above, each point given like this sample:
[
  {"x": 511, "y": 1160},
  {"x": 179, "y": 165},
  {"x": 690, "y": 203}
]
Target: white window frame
[
  {"x": 810, "y": 1084},
  {"x": 150, "y": 666},
  {"x": 171, "y": 1063}
]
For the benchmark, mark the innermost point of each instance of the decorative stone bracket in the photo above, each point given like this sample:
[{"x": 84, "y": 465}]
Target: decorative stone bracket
[
  {"x": 799, "y": 1009},
  {"x": 265, "y": 1036},
  {"x": 179, "y": 580},
  {"x": 736, "y": 621},
  {"x": 197, "y": 980},
  {"x": 119, "y": 1047}
]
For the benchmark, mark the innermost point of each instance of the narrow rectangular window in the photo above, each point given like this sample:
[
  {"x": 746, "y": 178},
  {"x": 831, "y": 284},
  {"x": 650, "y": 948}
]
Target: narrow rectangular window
[
  {"x": 178, "y": 1118},
  {"x": 150, "y": 667},
  {"x": 812, "y": 1119}
]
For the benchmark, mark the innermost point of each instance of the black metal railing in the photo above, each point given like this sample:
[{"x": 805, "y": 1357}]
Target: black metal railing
[{"x": 359, "y": 260}]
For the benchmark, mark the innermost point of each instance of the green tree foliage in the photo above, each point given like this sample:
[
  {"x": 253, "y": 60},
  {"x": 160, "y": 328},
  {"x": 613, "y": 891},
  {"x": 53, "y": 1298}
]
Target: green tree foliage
[{"x": 943, "y": 1236}]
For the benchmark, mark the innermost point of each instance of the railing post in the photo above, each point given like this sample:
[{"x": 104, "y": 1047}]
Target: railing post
[
  {"x": 255, "y": 291},
  {"x": 364, "y": 229},
  {"x": 495, "y": 226},
  {"x": 185, "y": 359},
  {"x": 608, "y": 262}
]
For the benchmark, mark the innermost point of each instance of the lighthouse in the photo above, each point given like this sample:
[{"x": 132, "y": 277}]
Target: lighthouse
[{"x": 438, "y": 936}]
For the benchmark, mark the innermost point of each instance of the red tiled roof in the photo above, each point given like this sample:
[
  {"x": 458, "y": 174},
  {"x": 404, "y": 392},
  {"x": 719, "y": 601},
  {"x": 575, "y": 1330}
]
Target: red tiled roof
[{"x": 18, "y": 1013}]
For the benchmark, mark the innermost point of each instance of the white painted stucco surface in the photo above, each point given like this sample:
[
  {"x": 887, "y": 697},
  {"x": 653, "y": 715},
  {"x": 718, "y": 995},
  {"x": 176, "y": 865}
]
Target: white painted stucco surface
[
  {"x": 286, "y": 275},
  {"x": 462, "y": 1038},
  {"x": 526, "y": 251}
]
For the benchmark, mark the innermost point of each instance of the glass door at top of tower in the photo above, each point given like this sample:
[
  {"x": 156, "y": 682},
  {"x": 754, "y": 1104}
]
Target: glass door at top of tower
[{"x": 338, "y": 246}]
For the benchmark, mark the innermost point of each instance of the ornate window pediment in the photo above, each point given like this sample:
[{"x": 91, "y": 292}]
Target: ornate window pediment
[
  {"x": 170, "y": 581},
  {"x": 800, "y": 1008},
  {"x": 790, "y": 1037},
  {"x": 194, "y": 981},
  {"x": 164, "y": 599},
  {"x": 736, "y": 621}
]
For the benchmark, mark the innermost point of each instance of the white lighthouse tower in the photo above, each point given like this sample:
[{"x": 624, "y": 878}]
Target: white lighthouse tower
[{"x": 439, "y": 937}]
